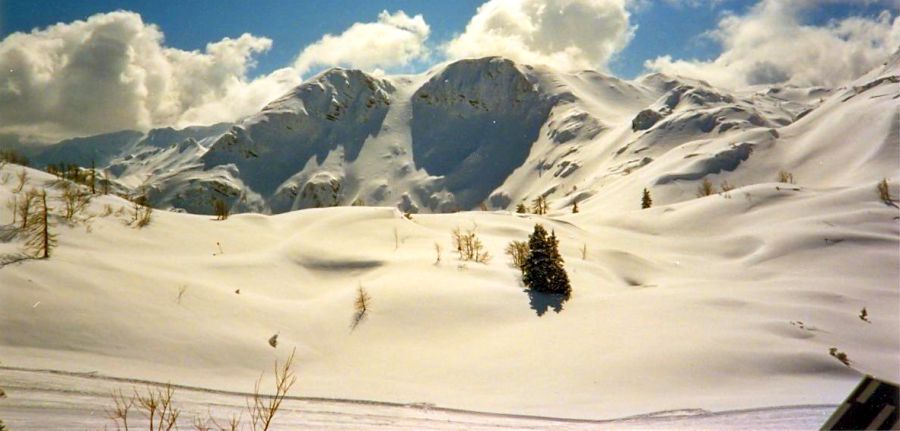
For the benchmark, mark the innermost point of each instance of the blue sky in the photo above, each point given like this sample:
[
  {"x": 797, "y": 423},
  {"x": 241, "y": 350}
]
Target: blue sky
[
  {"x": 663, "y": 27},
  {"x": 114, "y": 65}
]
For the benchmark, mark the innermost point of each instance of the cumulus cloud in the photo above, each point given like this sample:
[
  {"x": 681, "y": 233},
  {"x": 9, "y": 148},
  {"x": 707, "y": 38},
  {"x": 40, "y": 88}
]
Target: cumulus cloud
[
  {"x": 567, "y": 34},
  {"x": 395, "y": 40},
  {"x": 770, "y": 44},
  {"x": 112, "y": 72}
]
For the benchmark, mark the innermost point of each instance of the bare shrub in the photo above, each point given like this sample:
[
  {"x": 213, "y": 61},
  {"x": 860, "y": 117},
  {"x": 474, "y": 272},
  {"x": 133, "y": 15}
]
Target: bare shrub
[
  {"x": 105, "y": 183},
  {"x": 181, "y": 291},
  {"x": 200, "y": 424},
  {"x": 74, "y": 200},
  {"x": 726, "y": 189},
  {"x": 12, "y": 204},
  {"x": 141, "y": 212},
  {"x": 13, "y": 156},
  {"x": 144, "y": 215},
  {"x": 575, "y": 207},
  {"x": 221, "y": 209},
  {"x": 785, "y": 177},
  {"x": 122, "y": 406},
  {"x": 38, "y": 239},
  {"x": 539, "y": 205},
  {"x": 24, "y": 207},
  {"x": 521, "y": 208},
  {"x": 156, "y": 404},
  {"x": 584, "y": 252},
  {"x": 22, "y": 176},
  {"x": 469, "y": 246},
  {"x": 705, "y": 188},
  {"x": 518, "y": 251},
  {"x": 263, "y": 408},
  {"x": 360, "y": 306},
  {"x": 884, "y": 191},
  {"x": 93, "y": 177},
  {"x": 437, "y": 252},
  {"x": 233, "y": 424},
  {"x": 840, "y": 356}
]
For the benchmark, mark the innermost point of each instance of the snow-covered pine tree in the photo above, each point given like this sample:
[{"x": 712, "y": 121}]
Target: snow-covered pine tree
[{"x": 543, "y": 269}]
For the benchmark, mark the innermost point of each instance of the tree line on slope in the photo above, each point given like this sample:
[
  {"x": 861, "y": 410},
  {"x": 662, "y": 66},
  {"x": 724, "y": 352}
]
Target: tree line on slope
[{"x": 34, "y": 218}]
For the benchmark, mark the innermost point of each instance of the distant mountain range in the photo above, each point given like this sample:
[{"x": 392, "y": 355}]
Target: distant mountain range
[{"x": 495, "y": 133}]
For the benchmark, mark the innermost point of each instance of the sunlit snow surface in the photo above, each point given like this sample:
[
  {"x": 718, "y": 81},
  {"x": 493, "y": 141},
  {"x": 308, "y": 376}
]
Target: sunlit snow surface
[
  {"x": 43, "y": 401},
  {"x": 723, "y": 303}
]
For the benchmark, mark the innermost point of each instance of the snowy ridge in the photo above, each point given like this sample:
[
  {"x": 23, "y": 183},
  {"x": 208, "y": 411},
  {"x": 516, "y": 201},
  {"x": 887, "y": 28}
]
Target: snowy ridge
[
  {"x": 730, "y": 301},
  {"x": 489, "y": 131}
]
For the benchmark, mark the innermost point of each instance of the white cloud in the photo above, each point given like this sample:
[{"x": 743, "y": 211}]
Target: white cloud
[
  {"x": 112, "y": 72},
  {"x": 395, "y": 40},
  {"x": 770, "y": 44},
  {"x": 567, "y": 34}
]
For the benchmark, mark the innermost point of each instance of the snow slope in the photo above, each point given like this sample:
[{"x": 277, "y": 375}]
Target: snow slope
[
  {"x": 490, "y": 131},
  {"x": 45, "y": 400},
  {"x": 726, "y": 302},
  {"x": 712, "y": 303}
]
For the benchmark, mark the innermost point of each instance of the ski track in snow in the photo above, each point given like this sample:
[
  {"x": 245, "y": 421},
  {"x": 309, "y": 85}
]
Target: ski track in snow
[{"x": 57, "y": 400}]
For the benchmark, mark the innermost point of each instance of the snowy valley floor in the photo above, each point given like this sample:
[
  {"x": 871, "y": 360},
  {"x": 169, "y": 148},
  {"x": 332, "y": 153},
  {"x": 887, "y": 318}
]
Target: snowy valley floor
[
  {"x": 721, "y": 303},
  {"x": 52, "y": 401}
]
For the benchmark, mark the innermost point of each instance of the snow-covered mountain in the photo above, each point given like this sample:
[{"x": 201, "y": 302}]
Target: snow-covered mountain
[
  {"x": 731, "y": 301},
  {"x": 490, "y": 131}
]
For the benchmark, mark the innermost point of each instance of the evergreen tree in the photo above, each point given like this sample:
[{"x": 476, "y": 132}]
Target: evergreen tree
[
  {"x": 543, "y": 269},
  {"x": 521, "y": 209},
  {"x": 646, "y": 202},
  {"x": 539, "y": 205}
]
